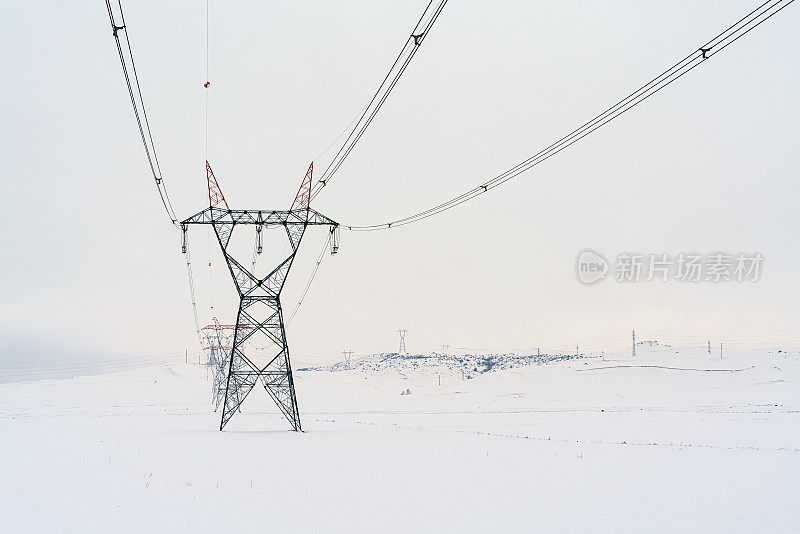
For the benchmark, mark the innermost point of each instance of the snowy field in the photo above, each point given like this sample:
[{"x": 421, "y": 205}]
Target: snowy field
[{"x": 671, "y": 441}]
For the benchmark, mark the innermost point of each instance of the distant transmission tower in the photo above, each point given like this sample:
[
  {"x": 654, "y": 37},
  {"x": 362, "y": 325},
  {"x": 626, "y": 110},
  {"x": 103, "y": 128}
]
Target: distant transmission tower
[
  {"x": 402, "y": 341},
  {"x": 633, "y": 351},
  {"x": 259, "y": 322},
  {"x": 218, "y": 344},
  {"x": 347, "y": 354}
]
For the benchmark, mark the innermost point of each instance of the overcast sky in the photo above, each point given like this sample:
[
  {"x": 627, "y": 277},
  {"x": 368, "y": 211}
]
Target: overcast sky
[{"x": 92, "y": 267}]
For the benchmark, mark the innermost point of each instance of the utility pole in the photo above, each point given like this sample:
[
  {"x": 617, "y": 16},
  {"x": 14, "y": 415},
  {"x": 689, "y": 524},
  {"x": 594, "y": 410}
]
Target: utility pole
[
  {"x": 402, "y": 333},
  {"x": 187, "y": 355},
  {"x": 576, "y": 351},
  {"x": 633, "y": 351},
  {"x": 720, "y": 351},
  {"x": 537, "y": 352},
  {"x": 709, "y": 347}
]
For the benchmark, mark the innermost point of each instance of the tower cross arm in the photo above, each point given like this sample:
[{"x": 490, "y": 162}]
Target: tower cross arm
[{"x": 304, "y": 216}]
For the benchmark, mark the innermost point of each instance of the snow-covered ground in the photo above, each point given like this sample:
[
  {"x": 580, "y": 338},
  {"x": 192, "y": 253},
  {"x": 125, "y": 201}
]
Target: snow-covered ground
[{"x": 674, "y": 440}]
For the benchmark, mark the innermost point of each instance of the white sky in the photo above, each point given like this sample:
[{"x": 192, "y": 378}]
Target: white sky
[{"x": 91, "y": 266}]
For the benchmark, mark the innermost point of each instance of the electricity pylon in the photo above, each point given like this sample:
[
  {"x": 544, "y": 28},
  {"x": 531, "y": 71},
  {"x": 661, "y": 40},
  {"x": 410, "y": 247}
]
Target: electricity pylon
[
  {"x": 218, "y": 343},
  {"x": 347, "y": 354},
  {"x": 402, "y": 333},
  {"x": 260, "y": 317}
]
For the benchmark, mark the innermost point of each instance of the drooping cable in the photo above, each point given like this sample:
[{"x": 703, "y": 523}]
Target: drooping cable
[
  {"x": 206, "y": 84},
  {"x": 341, "y": 134},
  {"x": 401, "y": 62},
  {"x": 210, "y": 275},
  {"x": 311, "y": 279},
  {"x": 192, "y": 292},
  {"x": 137, "y": 102},
  {"x": 724, "y": 39}
]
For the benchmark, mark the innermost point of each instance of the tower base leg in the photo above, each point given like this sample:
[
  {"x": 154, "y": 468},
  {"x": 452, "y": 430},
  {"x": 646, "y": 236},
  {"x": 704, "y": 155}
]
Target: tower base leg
[{"x": 260, "y": 353}]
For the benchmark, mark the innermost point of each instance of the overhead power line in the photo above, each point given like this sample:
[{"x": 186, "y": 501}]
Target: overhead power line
[
  {"x": 407, "y": 53},
  {"x": 191, "y": 289},
  {"x": 716, "y": 45},
  {"x": 310, "y": 280},
  {"x": 137, "y": 102}
]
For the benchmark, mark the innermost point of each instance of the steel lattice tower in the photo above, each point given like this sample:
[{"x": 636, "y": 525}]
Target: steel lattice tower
[
  {"x": 218, "y": 343},
  {"x": 217, "y": 346},
  {"x": 260, "y": 316},
  {"x": 402, "y": 333}
]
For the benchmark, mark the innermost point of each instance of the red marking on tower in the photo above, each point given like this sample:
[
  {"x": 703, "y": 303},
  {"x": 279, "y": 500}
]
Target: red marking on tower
[
  {"x": 303, "y": 198},
  {"x": 215, "y": 196}
]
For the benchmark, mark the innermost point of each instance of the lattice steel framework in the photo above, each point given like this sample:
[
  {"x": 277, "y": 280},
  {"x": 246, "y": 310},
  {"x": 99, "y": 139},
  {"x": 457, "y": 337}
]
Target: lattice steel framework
[
  {"x": 217, "y": 341},
  {"x": 260, "y": 317},
  {"x": 217, "y": 344}
]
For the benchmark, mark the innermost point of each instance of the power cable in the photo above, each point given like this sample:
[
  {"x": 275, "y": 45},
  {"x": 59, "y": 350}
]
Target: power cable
[
  {"x": 341, "y": 134},
  {"x": 727, "y": 37},
  {"x": 192, "y": 292},
  {"x": 401, "y": 62},
  {"x": 311, "y": 279},
  {"x": 207, "y": 83},
  {"x": 144, "y": 129}
]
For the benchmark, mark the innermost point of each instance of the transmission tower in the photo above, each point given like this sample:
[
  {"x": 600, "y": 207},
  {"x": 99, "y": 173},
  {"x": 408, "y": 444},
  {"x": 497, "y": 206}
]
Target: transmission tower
[
  {"x": 218, "y": 344},
  {"x": 260, "y": 317},
  {"x": 402, "y": 341},
  {"x": 347, "y": 354}
]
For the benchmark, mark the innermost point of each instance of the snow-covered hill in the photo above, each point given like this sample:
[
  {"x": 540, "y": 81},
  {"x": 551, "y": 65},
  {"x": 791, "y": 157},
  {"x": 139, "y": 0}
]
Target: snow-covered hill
[
  {"x": 673, "y": 440},
  {"x": 466, "y": 366}
]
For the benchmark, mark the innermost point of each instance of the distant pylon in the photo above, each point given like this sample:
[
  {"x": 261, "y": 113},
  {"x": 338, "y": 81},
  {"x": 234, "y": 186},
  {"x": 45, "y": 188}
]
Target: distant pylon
[
  {"x": 218, "y": 343},
  {"x": 633, "y": 351},
  {"x": 402, "y": 333},
  {"x": 347, "y": 354}
]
